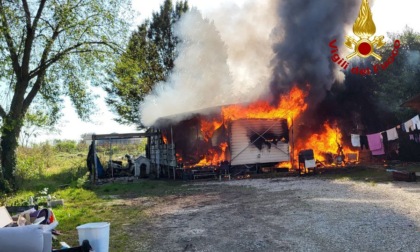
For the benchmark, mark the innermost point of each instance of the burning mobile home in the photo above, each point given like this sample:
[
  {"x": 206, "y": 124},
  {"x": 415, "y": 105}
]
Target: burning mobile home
[
  {"x": 247, "y": 137},
  {"x": 250, "y": 135},
  {"x": 242, "y": 142}
]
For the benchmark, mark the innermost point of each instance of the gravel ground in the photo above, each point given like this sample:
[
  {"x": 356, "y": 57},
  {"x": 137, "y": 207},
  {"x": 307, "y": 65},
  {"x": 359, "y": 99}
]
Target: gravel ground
[{"x": 287, "y": 214}]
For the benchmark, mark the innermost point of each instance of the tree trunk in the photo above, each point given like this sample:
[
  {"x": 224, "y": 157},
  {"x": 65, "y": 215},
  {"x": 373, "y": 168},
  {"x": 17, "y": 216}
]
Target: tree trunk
[{"x": 9, "y": 142}]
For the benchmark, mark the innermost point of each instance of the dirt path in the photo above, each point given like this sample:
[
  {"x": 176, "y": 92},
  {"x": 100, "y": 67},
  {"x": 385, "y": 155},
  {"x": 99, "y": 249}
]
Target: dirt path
[{"x": 288, "y": 214}]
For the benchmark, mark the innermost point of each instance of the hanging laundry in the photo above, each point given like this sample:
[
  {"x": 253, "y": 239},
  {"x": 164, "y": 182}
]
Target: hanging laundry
[
  {"x": 385, "y": 142},
  {"x": 392, "y": 134},
  {"x": 416, "y": 122},
  {"x": 403, "y": 128},
  {"x": 409, "y": 126},
  {"x": 411, "y": 137},
  {"x": 375, "y": 143},
  {"x": 364, "y": 142},
  {"x": 355, "y": 140}
]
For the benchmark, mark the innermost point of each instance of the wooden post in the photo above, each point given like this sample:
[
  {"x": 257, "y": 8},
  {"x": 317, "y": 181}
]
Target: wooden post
[{"x": 95, "y": 162}]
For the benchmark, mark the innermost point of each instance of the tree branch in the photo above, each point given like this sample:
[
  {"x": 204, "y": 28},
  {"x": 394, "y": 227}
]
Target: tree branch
[
  {"x": 59, "y": 55},
  {"x": 38, "y": 14},
  {"x": 28, "y": 41},
  {"x": 27, "y": 14},
  {"x": 40, "y": 71},
  {"x": 30, "y": 34},
  {"x": 34, "y": 91},
  {"x": 9, "y": 41},
  {"x": 45, "y": 53},
  {"x": 3, "y": 113},
  {"x": 48, "y": 23}
]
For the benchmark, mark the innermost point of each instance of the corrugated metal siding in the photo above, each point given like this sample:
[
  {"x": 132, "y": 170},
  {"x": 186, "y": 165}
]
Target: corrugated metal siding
[{"x": 243, "y": 152}]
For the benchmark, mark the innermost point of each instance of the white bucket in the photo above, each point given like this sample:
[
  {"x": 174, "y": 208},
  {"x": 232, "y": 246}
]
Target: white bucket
[{"x": 97, "y": 233}]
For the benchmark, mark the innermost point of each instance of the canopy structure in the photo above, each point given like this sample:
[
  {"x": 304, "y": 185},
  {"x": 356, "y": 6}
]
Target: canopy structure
[
  {"x": 92, "y": 159},
  {"x": 413, "y": 103}
]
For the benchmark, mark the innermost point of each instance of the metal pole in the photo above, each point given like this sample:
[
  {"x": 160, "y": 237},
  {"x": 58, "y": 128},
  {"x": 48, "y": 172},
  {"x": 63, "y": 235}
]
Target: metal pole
[
  {"x": 293, "y": 145},
  {"x": 172, "y": 149},
  {"x": 110, "y": 159}
]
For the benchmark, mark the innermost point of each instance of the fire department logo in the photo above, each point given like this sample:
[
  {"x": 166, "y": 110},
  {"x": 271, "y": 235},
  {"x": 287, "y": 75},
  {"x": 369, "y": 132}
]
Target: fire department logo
[{"x": 364, "y": 28}]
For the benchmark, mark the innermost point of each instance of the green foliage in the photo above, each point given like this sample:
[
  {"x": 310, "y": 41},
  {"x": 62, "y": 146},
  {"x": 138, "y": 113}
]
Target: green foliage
[
  {"x": 52, "y": 49},
  {"x": 117, "y": 151},
  {"x": 35, "y": 122},
  {"x": 74, "y": 41},
  {"x": 30, "y": 167},
  {"x": 65, "y": 145},
  {"x": 147, "y": 60},
  {"x": 401, "y": 80},
  {"x": 84, "y": 182},
  {"x": 46, "y": 166}
]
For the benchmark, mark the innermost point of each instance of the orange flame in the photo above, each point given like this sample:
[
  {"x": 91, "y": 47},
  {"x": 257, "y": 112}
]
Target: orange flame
[
  {"x": 214, "y": 156},
  {"x": 208, "y": 128},
  {"x": 289, "y": 106},
  {"x": 329, "y": 141},
  {"x": 178, "y": 157}
]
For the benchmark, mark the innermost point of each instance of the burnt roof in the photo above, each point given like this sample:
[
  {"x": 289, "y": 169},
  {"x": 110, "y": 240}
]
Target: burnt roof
[{"x": 413, "y": 103}]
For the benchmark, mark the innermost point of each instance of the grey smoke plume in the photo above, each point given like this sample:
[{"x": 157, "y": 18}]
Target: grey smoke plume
[{"x": 302, "y": 53}]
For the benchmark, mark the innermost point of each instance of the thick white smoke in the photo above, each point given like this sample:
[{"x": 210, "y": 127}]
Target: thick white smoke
[
  {"x": 247, "y": 32},
  {"x": 221, "y": 61},
  {"x": 200, "y": 78}
]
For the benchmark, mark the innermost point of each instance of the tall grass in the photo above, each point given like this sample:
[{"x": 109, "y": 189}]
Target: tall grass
[
  {"x": 59, "y": 170},
  {"x": 48, "y": 166}
]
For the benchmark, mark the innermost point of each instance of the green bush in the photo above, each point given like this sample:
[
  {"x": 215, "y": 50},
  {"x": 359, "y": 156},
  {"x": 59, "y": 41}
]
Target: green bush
[
  {"x": 65, "y": 145},
  {"x": 84, "y": 182},
  {"x": 31, "y": 164}
]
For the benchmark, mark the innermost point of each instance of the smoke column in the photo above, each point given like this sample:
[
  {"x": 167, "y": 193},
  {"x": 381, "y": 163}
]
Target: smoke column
[
  {"x": 247, "y": 31},
  {"x": 302, "y": 53},
  {"x": 222, "y": 61},
  {"x": 200, "y": 78}
]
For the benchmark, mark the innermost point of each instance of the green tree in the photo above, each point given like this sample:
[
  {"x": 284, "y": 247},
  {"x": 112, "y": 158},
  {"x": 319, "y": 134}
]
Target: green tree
[
  {"x": 51, "y": 49},
  {"x": 148, "y": 59},
  {"x": 35, "y": 123},
  {"x": 401, "y": 80}
]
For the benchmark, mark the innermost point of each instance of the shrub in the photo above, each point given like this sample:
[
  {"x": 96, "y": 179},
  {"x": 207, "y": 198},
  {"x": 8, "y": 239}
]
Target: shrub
[{"x": 65, "y": 145}]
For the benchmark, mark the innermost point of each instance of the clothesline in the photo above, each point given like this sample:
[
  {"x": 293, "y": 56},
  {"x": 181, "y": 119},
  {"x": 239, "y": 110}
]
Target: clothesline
[
  {"x": 411, "y": 124},
  {"x": 374, "y": 142}
]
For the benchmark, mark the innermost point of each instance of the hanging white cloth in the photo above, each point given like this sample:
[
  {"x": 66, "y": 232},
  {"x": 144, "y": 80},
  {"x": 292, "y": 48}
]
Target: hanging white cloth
[
  {"x": 416, "y": 121},
  {"x": 409, "y": 126},
  {"x": 355, "y": 140},
  {"x": 392, "y": 134}
]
